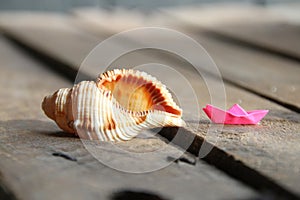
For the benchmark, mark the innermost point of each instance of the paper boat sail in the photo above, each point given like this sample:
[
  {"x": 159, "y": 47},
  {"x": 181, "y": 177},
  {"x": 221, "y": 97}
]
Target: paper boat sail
[{"x": 235, "y": 115}]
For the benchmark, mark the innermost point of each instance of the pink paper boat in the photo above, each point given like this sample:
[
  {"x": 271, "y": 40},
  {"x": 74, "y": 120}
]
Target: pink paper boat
[{"x": 235, "y": 115}]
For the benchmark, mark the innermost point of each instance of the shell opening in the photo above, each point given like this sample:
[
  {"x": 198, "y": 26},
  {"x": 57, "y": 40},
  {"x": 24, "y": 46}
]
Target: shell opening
[{"x": 137, "y": 91}]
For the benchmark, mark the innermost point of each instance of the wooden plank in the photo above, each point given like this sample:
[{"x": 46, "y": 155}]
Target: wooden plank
[
  {"x": 289, "y": 11},
  {"x": 241, "y": 66},
  {"x": 232, "y": 59},
  {"x": 120, "y": 19},
  {"x": 262, "y": 140},
  {"x": 273, "y": 28},
  {"x": 266, "y": 28},
  {"x": 61, "y": 24},
  {"x": 29, "y": 142},
  {"x": 239, "y": 140},
  {"x": 278, "y": 38}
]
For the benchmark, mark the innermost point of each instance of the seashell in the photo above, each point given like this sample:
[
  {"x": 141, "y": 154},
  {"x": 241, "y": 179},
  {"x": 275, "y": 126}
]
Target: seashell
[{"x": 119, "y": 105}]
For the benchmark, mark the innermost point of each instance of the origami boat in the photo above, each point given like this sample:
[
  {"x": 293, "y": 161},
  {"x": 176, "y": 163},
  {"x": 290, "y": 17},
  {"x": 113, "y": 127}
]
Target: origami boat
[{"x": 235, "y": 115}]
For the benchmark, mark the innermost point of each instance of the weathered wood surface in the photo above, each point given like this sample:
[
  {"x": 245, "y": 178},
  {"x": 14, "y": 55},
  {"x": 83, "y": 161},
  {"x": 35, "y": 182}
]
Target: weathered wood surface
[
  {"x": 271, "y": 147},
  {"x": 232, "y": 59},
  {"x": 59, "y": 28},
  {"x": 273, "y": 28},
  {"x": 279, "y": 38},
  {"x": 119, "y": 19},
  {"x": 29, "y": 141},
  {"x": 241, "y": 66},
  {"x": 270, "y": 76}
]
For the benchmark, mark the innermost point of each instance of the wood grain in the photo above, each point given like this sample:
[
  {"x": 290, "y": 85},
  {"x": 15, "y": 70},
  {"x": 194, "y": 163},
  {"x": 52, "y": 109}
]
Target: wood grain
[
  {"x": 273, "y": 28},
  {"x": 209, "y": 25},
  {"x": 248, "y": 39},
  {"x": 264, "y": 74},
  {"x": 30, "y": 145},
  {"x": 257, "y": 146}
]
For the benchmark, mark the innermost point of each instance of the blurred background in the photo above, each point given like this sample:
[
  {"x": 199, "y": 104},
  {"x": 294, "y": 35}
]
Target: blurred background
[
  {"x": 254, "y": 44},
  {"x": 241, "y": 36},
  {"x": 65, "y": 5}
]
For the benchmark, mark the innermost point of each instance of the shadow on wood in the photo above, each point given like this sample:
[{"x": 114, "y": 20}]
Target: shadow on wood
[{"x": 135, "y": 195}]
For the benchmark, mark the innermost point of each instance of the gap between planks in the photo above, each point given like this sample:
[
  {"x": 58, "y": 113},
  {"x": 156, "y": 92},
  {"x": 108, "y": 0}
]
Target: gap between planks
[
  {"x": 32, "y": 172},
  {"x": 272, "y": 136},
  {"x": 285, "y": 95},
  {"x": 217, "y": 157},
  {"x": 266, "y": 29}
]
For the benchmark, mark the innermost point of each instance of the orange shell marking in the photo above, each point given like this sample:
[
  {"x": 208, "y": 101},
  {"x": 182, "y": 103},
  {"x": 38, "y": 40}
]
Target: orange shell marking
[{"x": 118, "y": 106}]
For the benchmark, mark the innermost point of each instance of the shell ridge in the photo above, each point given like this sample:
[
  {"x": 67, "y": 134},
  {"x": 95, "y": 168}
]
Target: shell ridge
[
  {"x": 117, "y": 106},
  {"x": 78, "y": 106},
  {"x": 101, "y": 117},
  {"x": 95, "y": 115},
  {"x": 109, "y": 117},
  {"x": 94, "y": 110}
]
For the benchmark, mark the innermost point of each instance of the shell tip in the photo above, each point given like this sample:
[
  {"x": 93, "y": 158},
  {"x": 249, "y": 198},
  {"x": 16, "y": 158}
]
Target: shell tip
[{"x": 48, "y": 106}]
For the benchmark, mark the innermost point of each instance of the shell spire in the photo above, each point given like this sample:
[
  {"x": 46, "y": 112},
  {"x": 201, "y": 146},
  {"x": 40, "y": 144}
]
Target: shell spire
[
  {"x": 118, "y": 106},
  {"x": 58, "y": 107}
]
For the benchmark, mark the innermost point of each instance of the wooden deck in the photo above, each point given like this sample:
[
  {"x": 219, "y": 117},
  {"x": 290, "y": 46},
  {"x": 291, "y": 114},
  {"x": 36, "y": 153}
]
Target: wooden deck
[{"x": 42, "y": 52}]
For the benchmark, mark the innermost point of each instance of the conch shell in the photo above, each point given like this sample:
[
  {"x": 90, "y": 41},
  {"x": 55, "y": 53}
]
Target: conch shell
[{"x": 118, "y": 106}]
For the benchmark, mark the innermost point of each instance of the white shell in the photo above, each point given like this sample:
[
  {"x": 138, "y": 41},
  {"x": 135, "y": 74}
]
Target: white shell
[{"x": 118, "y": 106}]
